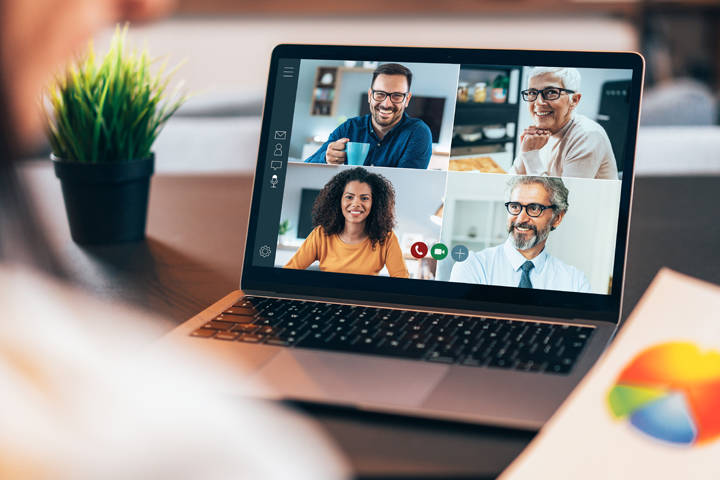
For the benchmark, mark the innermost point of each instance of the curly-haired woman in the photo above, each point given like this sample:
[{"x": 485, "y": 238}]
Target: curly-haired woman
[{"x": 354, "y": 215}]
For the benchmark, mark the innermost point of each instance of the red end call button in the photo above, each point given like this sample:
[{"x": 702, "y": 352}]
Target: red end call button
[{"x": 419, "y": 249}]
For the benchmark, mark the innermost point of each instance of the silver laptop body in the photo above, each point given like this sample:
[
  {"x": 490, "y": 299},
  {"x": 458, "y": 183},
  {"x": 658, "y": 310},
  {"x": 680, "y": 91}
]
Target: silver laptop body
[{"x": 500, "y": 396}]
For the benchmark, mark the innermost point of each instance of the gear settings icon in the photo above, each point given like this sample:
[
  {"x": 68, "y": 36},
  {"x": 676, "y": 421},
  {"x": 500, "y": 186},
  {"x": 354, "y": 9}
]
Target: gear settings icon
[{"x": 265, "y": 251}]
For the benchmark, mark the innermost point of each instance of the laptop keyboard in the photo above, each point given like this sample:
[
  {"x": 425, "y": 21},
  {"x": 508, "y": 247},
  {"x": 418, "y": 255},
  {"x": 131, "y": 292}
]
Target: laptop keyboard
[{"x": 451, "y": 339}]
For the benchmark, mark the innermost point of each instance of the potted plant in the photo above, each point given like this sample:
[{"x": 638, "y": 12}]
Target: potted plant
[
  {"x": 102, "y": 120},
  {"x": 499, "y": 88},
  {"x": 284, "y": 231}
]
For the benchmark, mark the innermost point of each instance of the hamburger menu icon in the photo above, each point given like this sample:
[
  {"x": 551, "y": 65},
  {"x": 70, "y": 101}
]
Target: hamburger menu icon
[{"x": 671, "y": 392}]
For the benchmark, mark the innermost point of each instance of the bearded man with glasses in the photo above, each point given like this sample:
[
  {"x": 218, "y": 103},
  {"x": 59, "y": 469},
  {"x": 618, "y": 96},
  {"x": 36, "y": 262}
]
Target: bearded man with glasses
[
  {"x": 396, "y": 139},
  {"x": 561, "y": 142},
  {"x": 536, "y": 206}
]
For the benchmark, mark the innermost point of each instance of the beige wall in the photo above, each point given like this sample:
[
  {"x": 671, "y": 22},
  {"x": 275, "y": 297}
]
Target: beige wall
[
  {"x": 224, "y": 55},
  {"x": 227, "y": 61}
]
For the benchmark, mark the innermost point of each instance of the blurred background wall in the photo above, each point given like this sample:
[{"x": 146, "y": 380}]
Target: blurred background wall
[{"x": 227, "y": 45}]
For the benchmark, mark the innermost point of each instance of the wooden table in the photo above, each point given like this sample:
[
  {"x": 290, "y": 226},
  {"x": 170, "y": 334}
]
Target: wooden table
[{"x": 193, "y": 256}]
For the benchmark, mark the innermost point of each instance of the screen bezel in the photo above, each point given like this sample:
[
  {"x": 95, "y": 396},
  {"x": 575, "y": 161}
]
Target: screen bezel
[{"x": 438, "y": 294}]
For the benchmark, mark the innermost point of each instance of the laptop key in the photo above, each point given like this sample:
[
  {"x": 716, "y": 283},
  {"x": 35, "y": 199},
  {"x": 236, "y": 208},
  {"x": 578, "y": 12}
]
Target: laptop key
[
  {"x": 437, "y": 357},
  {"x": 251, "y": 338},
  {"x": 247, "y": 327},
  {"x": 278, "y": 341},
  {"x": 524, "y": 365},
  {"x": 559, "y": 368},
  {"x": 418, "y": 349},
  {"x": 245, "y": 311},
  {"x": 322, "y": 341},
  {"x": 225, "y": 335},
  {"x": 500, "y": 362},
  {"x": 219, "y": 325},
  {"x": 247, "y": 302},
  {"x": 472, "y": 362},
  {"x": 204, "y": 332},
  {"x": 268, "y": 330},
  {"x": 234, "y": 318},
  {"x": 313, "y": 339},
  {"x": 395, "y": 348}
]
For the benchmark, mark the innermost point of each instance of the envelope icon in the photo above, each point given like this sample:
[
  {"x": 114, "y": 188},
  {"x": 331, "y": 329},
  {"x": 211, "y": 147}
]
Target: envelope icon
[{"x": 280, "y": 134}]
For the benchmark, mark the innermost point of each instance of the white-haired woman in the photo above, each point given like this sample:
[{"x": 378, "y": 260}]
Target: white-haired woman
[{"x": 561, "y": 142}]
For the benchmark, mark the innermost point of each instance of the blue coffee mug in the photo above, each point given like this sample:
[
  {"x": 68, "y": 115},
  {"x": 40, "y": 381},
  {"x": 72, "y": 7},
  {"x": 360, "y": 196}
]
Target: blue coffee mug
[{"x": 356, "y": 152}]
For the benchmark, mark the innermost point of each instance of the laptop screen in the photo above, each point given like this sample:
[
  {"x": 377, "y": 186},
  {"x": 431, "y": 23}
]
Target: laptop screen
[{"x": 478, "y": 180}]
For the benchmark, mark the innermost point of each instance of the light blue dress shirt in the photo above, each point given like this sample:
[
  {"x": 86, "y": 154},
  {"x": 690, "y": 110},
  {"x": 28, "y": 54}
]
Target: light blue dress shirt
[{"x": 500, "y": 265}]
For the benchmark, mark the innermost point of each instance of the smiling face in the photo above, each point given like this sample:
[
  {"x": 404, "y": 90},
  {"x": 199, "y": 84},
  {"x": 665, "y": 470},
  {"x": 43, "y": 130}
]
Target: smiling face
[
  {"x": 356, "y": 202},
  {"x": 528, "y": 232},
  {"x": 386, "y": 114},
  {"x": 551, "y": 114}
]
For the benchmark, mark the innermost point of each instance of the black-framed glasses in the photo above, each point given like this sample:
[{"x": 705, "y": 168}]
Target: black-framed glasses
[
  {"x": 395, "y": 97},
  {"x": 532, "y": 209},
  {"x": 548, "y": 93}
]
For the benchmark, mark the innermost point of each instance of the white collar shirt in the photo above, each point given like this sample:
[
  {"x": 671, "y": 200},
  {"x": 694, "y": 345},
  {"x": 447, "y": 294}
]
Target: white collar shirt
[{"x": 500, "y": 265}]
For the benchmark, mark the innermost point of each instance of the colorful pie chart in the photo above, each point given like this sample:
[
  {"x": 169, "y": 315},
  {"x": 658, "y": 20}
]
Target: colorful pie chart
[{"x": 671, "y": 392}]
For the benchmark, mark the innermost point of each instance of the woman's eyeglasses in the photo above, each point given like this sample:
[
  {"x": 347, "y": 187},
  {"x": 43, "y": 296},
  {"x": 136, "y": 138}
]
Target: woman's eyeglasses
[{"x": 548, "y": 93}]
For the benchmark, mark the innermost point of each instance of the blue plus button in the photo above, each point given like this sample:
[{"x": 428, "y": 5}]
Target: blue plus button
[{"x": 459, "y": 253}]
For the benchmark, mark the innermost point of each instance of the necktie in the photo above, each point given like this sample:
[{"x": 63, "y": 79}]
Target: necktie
[{"x": 525, "y": 278}]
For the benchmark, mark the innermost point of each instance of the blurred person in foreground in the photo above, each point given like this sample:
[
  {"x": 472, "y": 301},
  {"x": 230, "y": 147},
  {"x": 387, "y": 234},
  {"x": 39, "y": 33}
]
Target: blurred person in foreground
[{"x": 82, "y": 398}]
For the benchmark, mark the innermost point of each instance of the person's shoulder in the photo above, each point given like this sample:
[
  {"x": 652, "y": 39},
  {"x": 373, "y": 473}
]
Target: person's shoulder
[
  {"x": 358, "y": 122},
  {"x": 587, "y": 133},
  {"x": 318, "y": 233},
  {"x": 477, "y": 265},
  {"x": 416, "y": 124},
  {"x": 390, "y": 241},
  {"x": 589, "y": 126},
  {"x": 391, "y": 236},
  {"x": 486, "y": 254},
  {"x": 566, "y": 270}
]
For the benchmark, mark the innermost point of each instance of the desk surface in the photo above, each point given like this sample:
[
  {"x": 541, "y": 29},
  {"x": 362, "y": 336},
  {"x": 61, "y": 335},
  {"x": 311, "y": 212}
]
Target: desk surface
[{"x": 193, "y": 256}]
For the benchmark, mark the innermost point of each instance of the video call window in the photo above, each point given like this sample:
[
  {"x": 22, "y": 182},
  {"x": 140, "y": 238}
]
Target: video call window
[
  {"x": 334, "y": 102},
  {"x": 578, "y": 234},
  {"x": 480, "y": 174},
  {"x": 417, "y": 196},
  {"x": 503, "y": 130}
]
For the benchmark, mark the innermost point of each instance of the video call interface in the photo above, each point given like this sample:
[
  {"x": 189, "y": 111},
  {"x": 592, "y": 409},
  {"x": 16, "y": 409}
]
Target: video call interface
[{"x": 478, "y": 174}]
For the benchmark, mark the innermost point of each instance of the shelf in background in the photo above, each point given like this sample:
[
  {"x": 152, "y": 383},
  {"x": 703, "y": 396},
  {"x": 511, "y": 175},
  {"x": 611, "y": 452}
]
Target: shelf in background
[
  {"x": 459, "y": 142},
  {"x": 485, "y": 113}
]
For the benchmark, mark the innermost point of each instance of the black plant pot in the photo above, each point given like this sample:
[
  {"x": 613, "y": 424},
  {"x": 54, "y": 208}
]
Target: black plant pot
[{"x": 106, "y": 202}]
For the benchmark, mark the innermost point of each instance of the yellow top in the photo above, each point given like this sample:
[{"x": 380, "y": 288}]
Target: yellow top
[{"x": 337, "y": 256}]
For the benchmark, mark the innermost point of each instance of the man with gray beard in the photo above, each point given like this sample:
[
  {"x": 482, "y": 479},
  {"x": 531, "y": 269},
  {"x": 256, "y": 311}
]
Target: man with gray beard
[{"x": 536, "y": 206}]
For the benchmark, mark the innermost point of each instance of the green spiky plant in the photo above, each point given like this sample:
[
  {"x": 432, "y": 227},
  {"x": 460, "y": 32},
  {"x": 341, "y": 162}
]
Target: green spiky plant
[
  {"x": 284, "y": 227},
  {"x": 112, "y": 110}
]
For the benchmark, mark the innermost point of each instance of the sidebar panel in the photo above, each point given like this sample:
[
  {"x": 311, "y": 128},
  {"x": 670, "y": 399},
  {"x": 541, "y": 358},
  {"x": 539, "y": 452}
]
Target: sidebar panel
[{"x": 275, "y": 165}]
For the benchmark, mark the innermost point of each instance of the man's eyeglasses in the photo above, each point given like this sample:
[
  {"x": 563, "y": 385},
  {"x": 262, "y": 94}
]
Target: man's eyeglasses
[
  {"x": 532, "y": 209},
  {"x": 548, "y": 93},
  {"x": 395, "y": 97}
]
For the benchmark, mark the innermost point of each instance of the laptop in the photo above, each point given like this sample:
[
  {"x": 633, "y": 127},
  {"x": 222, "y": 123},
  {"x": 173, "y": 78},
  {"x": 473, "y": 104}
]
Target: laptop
[{"x": 467, "y": 264}]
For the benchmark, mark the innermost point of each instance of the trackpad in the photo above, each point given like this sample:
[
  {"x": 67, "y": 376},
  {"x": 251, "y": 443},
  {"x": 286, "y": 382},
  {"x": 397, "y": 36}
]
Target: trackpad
[{"x": 350, "y": 379}]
